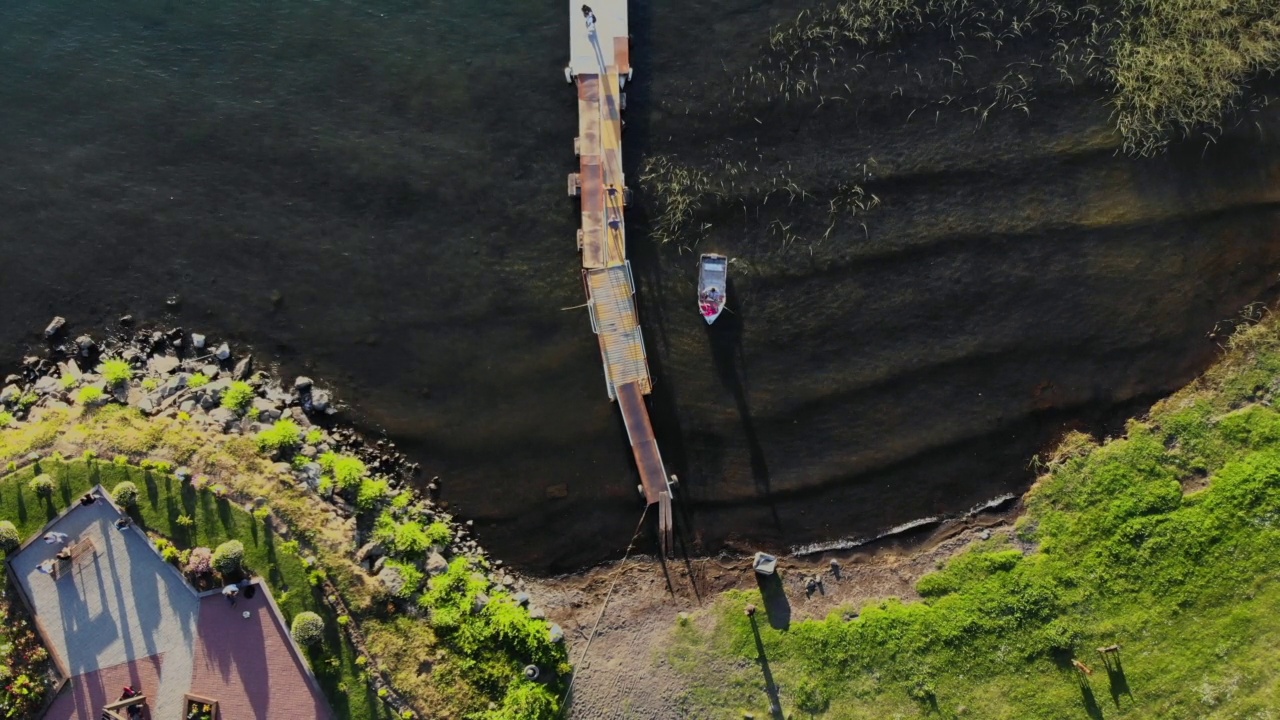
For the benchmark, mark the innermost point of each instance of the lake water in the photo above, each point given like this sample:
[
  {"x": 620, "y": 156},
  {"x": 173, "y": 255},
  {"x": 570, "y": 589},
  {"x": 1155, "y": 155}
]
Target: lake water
[{"x": 373, "y": 194}]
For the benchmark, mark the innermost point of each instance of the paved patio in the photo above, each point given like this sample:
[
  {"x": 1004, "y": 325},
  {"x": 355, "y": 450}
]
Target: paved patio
[
  {"x": 118, "y": 604},
  {"x": 247, "y": 665}
]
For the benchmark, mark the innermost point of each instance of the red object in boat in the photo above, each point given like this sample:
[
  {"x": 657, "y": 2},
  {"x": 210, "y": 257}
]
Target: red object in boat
[{"x": 713, "y": 280}]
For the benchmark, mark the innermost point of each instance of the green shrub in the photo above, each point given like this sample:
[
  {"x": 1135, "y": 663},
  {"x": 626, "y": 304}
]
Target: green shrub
[
  {"x": 347, "y": 470},
  {"x": 42, "y": 485},
  {"x": 238, "y": 396},
  {"x": 307, "y": 628},
  {"x": 810, "y": 697},
  {"x": 197, "y": 380},
  {"x": 411, "y": 575},
  {"x": 68, "y": 381},
  {"x": 185, "y": 520},
  {"x": 89, "y": 395},
  {"x": 315, "y": 436},
  {"x": 371, "y": 493},
  {"x": 262, "y": 513},
  {"x": 438, "y": 533},
  {"x": 228, "y": 558},
  {"x": 125, "y": 494},
  {"x": 27, "y": 400},
  {"x": 150, "y": 384},
  {"x": 9, "y": 538},
  {"x": 283, "y": 435},
  {"x": 170, "y": 554},
  {"x": 116, "y": 372},
  {"x": 6, "y": 419},
  {"x": 526, "y": 700}
]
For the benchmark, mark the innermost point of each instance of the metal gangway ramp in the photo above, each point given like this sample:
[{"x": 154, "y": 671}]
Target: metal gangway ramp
[{"x": 600, "y": 66}]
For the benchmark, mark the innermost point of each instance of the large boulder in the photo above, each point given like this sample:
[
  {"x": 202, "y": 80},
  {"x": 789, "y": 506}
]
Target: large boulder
[
  {"x": 163, "y": 365},
  {"x": 390, "y": 577},
  {"x": 370, "y": 552},
  {"x": 436, "y": 564}
]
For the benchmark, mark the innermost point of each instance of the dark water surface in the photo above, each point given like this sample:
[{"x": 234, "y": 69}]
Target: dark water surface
[{"x": 394, "y": 171}]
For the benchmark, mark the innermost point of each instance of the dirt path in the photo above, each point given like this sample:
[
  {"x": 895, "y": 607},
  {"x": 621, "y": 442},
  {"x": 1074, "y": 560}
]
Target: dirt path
[{"x": 625, "y": 674}]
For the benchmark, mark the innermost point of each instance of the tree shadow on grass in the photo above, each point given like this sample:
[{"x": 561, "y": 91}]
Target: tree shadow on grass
[
  {"x": 22, "y": 505},
  {"x": 224, "y": 513},
  {"x": 153, "y": 490},
  {"x": 770, "y": 687}
]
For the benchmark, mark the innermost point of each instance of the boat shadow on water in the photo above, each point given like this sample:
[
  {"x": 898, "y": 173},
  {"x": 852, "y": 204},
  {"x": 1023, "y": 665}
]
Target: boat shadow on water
[{"x": 725, "y": 337}]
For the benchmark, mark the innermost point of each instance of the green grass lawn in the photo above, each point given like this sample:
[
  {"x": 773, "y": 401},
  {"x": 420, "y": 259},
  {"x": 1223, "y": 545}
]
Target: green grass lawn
[
  {"x": 162, "y": 499},
  {"x": 1166, "y": 541}
]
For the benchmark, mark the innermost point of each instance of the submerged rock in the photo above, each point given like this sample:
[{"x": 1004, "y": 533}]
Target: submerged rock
[
  {"x": 197, "y": 341},
  {"x": 54, "y": 327}
]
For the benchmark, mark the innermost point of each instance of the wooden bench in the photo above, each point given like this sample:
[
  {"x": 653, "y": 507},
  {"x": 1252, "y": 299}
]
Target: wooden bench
[
  {"x": 113, "y": 710},
  {"x": 79, "y": 550}
]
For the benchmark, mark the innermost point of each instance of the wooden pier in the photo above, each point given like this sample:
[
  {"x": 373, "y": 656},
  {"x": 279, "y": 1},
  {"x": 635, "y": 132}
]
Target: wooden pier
[{"x": 600, "y": 66}]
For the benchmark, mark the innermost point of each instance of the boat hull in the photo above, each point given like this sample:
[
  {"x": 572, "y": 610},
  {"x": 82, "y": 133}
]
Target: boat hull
[{"x": 713, "y": 281}]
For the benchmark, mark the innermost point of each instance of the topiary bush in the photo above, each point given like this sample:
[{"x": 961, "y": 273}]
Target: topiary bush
[
  {"x": 229, "y": 556},
  {"x": 307, "y": 628},
  {"x": 116, "y": 372},
  {"x": 125, "y": 494},
  {"x": 9, "y": 538},
  {"x": 42, "y": 485},
  {"x": 238, "y": 396}
]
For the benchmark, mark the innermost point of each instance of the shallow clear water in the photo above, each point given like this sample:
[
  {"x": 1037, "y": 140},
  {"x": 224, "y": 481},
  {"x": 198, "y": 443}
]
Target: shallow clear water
[{"x": 394, "y": 173}]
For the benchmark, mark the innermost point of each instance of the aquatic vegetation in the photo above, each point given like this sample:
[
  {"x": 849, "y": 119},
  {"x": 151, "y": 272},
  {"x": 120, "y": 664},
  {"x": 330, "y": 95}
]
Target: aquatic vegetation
[{"x": 1170, "y": 69}]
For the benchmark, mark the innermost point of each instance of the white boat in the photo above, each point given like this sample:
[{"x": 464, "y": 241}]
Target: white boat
[{"x": 713, "y": 279}]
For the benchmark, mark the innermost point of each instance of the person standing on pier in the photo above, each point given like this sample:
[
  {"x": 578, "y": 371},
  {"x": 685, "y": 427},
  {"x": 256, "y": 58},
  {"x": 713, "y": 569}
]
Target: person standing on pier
[{"x": 590, "y": 16}]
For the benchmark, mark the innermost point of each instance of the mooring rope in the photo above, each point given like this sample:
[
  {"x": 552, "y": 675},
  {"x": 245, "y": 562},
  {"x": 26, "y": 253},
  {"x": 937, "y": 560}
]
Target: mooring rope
[{"x": 617, "y": 576}]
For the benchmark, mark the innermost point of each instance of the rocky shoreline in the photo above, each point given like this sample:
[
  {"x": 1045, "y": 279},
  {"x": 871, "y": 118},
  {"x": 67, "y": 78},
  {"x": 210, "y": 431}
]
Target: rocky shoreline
[{"x": 183, "y": 376}]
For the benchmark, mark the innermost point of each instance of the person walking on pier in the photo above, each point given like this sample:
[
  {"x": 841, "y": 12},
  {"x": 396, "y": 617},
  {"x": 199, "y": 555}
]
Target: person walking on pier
[{"x": 590, "y": 16}]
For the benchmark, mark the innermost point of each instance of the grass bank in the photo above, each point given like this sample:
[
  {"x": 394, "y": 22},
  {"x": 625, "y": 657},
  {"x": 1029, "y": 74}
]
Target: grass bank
[{"x": 1165, "y": 542}]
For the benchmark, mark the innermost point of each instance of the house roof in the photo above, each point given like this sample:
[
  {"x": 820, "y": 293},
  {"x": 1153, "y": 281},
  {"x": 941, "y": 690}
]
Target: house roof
[{"x": 121, "y": 615}]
